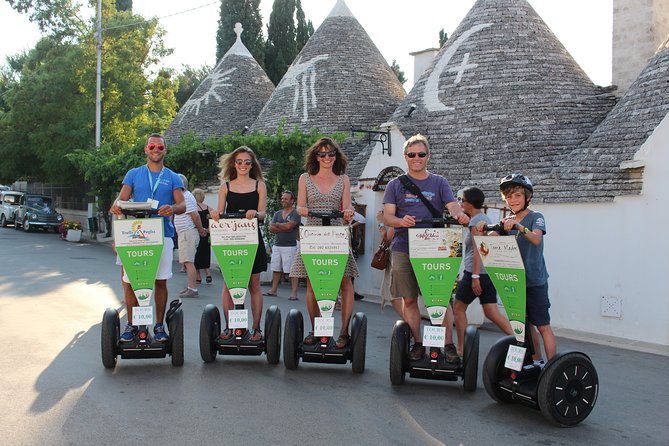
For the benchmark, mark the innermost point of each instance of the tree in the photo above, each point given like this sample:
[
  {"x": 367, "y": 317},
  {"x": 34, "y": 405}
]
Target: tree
[
  {"x": 304, "y": 30},
  {"x": 443, "y": 37},
  {"x": 188, "y": 80},
  {"x": 398, "y": 72},
  {"x": 57, "y": 18},
  {"x": 124, "y": 5},
  {"x": 246, "y": 12}
]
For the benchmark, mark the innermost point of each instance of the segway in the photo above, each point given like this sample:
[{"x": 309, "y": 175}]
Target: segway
[
  {"x": 435, "y": 254},
  {"x": 565, "y": 389},
  {"x": 139, "y": 244},
  {"x": 234, "y": 240},
  {"x": 325, "y": 251}
]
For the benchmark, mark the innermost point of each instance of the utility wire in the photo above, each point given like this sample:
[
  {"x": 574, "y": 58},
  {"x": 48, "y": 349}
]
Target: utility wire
[{"x": 163, "y": 17}]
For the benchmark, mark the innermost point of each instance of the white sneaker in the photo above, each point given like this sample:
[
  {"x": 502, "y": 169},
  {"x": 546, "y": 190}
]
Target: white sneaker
[{"x": 189, "y": 293}]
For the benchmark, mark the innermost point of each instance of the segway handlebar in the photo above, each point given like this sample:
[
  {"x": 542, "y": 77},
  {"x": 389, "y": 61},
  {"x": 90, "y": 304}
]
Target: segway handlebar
[
  {"x": 240, "y": 214},
  {"x": 438, "y": 222},
  {"x": 136, "y": 209},
  {"x": 497, "y": 227},
  {"x": 326, "y": 217}
]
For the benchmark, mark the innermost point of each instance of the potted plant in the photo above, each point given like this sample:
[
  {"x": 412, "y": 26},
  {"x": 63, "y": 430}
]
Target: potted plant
[{"x": 70, "y": 230}]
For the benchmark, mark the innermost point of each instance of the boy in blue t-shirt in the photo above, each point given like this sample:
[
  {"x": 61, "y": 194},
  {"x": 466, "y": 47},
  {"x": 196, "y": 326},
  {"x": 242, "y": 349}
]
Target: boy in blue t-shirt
[
  {"x": 529, "y": 227},
  {"x": 153, "y": 181}
]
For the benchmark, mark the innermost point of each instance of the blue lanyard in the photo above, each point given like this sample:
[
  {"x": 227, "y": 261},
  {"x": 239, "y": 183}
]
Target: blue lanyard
[{"x": 154, "y": 187}]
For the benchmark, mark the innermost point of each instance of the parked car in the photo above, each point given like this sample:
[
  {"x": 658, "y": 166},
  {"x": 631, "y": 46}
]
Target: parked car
[
  {"x": 37, "y": 211},
  {"x": 9, "y": 204}
]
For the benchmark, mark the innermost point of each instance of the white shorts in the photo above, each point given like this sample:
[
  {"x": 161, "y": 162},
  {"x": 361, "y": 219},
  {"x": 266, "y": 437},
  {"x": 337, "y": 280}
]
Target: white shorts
[
  {"x": 282, "y": 258},
  {"x": 165, "y": 265},
  {"x": 188, "y": 241}
]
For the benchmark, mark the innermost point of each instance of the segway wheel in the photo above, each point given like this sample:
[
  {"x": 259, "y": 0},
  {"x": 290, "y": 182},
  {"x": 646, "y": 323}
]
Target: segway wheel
[
  {"x": 293, "y": 333},
  {"x": 567, "y": 389},
  {"x": 493, "y": 370},
  {"x": 470, "y": 358},
  {"x": 177, "y": 338},
  {"x": 210, "y": 328},
  {"x": 358, "y": 342},
  {"x": 273, "y": 334},
  {"x": 399, "y": 352},
  {"x": 110, "y": 336}
]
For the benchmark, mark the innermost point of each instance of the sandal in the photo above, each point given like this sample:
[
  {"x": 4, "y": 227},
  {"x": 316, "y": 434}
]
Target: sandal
[
  {"x": 208, "y": 279},
  {"x": 198, "y": 280},
  {"x": 269, "y": 293},
  {"x": 342, "y": 340},
  {"x": 256, "y": 335},
  {"x": 293, "y": 298},
  {"x": 226, "y": 335},
  {"x": 310, "y": 339}
]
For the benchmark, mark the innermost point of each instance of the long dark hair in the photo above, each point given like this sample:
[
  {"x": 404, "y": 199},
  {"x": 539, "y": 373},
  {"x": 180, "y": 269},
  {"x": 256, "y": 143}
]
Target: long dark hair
[{"x": 311, "y": 163}]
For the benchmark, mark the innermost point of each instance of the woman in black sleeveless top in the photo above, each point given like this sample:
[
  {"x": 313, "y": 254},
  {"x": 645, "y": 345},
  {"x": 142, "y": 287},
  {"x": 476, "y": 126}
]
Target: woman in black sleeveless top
[{"x": 243, "y": 189}]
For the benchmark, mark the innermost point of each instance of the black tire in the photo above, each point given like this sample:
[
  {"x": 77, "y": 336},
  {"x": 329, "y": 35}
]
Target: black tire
[
  {"x": 493, "y": 370},
  {"x": 26, "y": 225},
  {"x": 470, "y": 360},
  {"x": 109, "y": 338},
  {"x": 16, "y": 222},
  {"x": 358, "y": 342},
  {"x": 292, "y": 336},
  {"x": 399, "y": 352},
  {"x": 3, "y": 221},
  {"x": 177, "y": 338},
  {"x": 568, "y": 388},
  {"x": 210, "y": 328},
  {"x": 273, "y": 334}
]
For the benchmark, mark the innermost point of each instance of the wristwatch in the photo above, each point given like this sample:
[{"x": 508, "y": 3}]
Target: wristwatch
[{"x": 476, "y": 276}]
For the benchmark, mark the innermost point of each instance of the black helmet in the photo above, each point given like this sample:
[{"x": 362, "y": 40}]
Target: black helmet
[{"x": 516, "y": 179}]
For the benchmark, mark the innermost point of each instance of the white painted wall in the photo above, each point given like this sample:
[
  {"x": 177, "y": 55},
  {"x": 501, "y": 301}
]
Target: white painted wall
[{"x": 617, "y": 249}]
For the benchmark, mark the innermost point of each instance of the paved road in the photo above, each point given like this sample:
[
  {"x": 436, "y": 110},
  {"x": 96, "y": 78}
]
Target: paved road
[{"x": 56, "y": 392}]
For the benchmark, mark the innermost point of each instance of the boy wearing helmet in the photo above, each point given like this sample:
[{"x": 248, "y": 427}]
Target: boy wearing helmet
[{"x": 529, "y": 227}]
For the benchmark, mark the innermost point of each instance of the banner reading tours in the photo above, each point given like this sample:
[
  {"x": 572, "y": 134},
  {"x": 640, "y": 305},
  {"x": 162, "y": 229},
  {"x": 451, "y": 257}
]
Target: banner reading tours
[
  {"x": 501, "y": 258},
  {"x": 434, "y": 257},
  {"x": 235, "y": 242},
  {"x": 325, "y": 250},
  {"x": 139, "y": 244}
]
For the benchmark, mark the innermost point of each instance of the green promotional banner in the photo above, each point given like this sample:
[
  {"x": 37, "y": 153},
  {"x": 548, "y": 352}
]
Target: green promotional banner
[
  {"x": 502, "y": 260},
  {"x": 139, "y": 245},
  {"x": 435, "y": 261},
  {"x": 235, "y": 243},
  {"x": 325, "y": 251}
]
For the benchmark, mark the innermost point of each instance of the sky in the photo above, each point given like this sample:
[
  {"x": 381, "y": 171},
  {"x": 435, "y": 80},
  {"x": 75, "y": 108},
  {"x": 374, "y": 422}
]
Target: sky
[{"x": 397, "y": 28}]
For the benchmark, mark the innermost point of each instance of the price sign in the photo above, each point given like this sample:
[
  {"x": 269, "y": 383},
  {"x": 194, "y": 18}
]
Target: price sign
[{"x": 238, "y": 318}]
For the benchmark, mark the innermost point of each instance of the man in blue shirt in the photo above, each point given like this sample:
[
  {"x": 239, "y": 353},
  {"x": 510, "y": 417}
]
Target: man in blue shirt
[{"x": 153, "y": 182}]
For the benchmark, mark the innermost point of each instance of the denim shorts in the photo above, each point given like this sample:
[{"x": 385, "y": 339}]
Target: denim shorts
[
  {"x": 538, "y": 305},
  {"x": 465, "y": 294}
]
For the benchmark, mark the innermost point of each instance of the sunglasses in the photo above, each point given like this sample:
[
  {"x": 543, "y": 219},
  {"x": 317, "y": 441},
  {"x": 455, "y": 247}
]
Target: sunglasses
[
  {"x": 240, "y": 162},
  {"x": 461, "y": 200},
  {"x": 330, "y": 154},
  {"x": 160, "y": 147},
  {"x": 413, "y": 154}
]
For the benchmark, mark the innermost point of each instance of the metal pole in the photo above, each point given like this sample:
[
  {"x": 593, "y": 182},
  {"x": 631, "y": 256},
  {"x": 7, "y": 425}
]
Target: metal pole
[{"x": 98, "y": 77}]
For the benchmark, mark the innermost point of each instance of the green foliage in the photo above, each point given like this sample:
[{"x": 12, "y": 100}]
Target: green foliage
[
  {"x": 246, "y": 12},
  {"x": 124, "y": 5},
  {"x": 57, "y": 18},
  {"x": 398, "y": 72},
  {"x": 304, "y": 30},
  {"x": 443, "y": 37},
  {"x": 188, "y": 80},
  {"x": 281, "y": 47}
]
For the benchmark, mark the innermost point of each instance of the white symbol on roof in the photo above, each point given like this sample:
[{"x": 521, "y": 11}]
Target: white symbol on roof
[
  {"x": 431, "y": 91},
  {"x": 217, "y": 80},
  {"x": 303, "y": 74}
]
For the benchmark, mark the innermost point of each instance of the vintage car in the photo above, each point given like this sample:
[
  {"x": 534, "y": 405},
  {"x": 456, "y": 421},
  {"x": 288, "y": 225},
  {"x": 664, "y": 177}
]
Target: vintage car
[
  {"x": 9, "y": 203},
  {"x": 37, "y": 211}
]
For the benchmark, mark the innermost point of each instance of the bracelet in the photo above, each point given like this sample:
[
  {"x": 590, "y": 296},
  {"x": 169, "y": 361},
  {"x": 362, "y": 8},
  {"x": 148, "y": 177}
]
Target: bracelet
[{"x": 476, "y": 276}]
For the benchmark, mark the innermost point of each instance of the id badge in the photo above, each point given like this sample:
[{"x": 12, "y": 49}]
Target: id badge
[{"x": 154, "y": 203}]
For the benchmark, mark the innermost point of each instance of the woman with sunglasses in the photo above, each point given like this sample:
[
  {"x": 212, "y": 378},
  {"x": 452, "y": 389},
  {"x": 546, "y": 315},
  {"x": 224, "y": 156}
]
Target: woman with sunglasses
[
  {"x": 243, "y": 189},
  {"x": 325, "y": 187}
]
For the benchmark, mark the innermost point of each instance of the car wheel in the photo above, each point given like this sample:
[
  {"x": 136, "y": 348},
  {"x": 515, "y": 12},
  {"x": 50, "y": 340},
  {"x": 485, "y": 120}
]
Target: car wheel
[
  {"x": 16, "y": 222},
  {"x": 26, "y": 224},
  {"x": 3, "y": 221}
]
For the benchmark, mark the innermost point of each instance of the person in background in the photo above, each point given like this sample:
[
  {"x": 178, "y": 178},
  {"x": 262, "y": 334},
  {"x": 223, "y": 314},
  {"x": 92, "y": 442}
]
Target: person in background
[
  {"x": 189, "y": 230},
  {"x": 285, "y": 225},
  {"x": 203, "y": 253}
]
